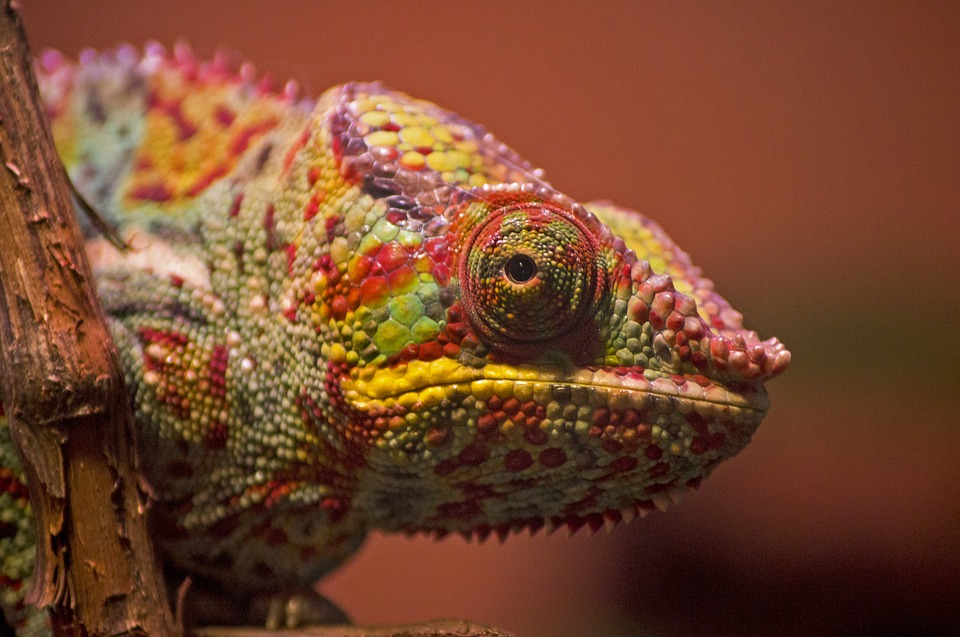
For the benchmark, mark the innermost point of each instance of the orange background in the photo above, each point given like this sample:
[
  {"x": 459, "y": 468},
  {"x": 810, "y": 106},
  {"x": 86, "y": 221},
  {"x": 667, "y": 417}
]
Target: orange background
[{"x": 808, "y": 156}]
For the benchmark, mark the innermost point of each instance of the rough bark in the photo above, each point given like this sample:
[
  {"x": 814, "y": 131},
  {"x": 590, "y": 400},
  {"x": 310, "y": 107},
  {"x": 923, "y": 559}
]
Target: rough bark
[
  {"x": 62, "y": 385},
  {"x": 440, "y": 628}
]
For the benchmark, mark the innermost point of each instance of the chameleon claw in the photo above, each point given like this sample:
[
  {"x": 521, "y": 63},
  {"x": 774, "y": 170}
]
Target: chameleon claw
[{"x": 294, "y": 610}]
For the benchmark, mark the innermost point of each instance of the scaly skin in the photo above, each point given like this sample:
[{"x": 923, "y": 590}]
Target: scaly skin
[{"x": 366, "y": 312}]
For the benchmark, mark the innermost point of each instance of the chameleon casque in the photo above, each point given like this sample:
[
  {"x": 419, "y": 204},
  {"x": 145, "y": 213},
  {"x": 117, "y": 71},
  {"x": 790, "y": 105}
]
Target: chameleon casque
[{"x": 364, "y": 312}]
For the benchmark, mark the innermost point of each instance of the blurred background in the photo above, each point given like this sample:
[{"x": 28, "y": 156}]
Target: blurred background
[{"x": 807, "y": 154}]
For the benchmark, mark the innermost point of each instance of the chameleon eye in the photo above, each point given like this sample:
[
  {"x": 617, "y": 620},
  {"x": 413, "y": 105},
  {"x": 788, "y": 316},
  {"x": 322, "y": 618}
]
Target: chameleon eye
[
  {"x": 529, "y": 274},
  {"x": 520, "y": 268}
]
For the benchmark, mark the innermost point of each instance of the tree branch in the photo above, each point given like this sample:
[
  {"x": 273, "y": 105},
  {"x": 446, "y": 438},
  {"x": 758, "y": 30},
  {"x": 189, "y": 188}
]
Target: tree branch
[
  {"x": 440, "y": 628},
  {"x": 62, "y": 386}
]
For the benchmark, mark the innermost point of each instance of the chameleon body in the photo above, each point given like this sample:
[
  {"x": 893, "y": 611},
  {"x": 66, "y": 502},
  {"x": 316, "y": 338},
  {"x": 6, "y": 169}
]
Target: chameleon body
[{"x": 365, "y": 312}]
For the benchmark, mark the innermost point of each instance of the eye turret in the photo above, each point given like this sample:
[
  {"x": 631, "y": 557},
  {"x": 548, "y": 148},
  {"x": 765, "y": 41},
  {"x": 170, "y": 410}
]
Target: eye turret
[{"x": 529, "y": 274}]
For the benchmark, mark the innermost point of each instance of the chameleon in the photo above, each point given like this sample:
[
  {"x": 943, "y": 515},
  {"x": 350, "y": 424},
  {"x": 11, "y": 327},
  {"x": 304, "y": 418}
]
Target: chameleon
[{"x": 364, "y": 312}]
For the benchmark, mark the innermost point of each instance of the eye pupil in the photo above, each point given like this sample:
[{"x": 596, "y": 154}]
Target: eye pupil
[{"x": 520, "y": 268}]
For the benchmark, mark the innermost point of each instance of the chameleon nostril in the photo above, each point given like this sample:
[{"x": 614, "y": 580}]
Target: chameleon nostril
[{"x": 663, "y": 352}]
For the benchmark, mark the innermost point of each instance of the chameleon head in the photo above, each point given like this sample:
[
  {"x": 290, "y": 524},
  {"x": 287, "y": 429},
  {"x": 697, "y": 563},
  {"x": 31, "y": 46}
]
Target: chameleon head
[
  {"x": 540, "y": 362},
  {"x": 570, "y": 382}
]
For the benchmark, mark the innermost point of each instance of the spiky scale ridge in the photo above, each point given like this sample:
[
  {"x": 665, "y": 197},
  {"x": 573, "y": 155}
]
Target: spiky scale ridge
[{"x": 365, "y": 312}]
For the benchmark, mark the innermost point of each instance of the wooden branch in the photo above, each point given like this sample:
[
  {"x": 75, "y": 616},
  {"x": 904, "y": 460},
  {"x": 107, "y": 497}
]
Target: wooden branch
[
  {"x": 62, "y": 386},
  {"x": 441, "y": 628}
]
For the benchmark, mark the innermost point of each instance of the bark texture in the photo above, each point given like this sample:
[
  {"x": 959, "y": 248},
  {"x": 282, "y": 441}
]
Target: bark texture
[
  {"x": 440, "y": 628},
  {"x": 62, "y": 386}
]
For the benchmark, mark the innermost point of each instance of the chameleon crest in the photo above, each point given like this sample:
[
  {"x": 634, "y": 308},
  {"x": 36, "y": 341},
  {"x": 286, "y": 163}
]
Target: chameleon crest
[{"x": 366, "y": 312}]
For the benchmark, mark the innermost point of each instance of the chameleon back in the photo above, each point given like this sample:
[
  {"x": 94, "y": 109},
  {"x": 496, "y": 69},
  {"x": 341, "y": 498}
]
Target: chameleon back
[{"x": 366, "y": 312}]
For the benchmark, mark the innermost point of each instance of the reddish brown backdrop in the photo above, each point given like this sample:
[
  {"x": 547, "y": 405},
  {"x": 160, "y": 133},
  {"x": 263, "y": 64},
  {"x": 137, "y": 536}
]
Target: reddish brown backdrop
[{"x": 808, "y": 155}]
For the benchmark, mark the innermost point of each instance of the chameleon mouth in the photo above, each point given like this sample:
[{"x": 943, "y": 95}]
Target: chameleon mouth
[
  {"x": 421, "y": 385},
  {"x": 617, "y": 443}
]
